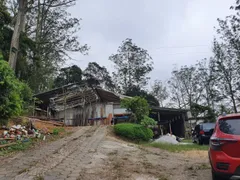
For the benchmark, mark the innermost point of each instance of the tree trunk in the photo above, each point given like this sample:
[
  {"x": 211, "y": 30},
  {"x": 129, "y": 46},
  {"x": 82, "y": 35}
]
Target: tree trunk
[
  {"x": 19, "y": 26},
  {"x": 233, "y": 98},
  {"x": 234, "y": 103}
]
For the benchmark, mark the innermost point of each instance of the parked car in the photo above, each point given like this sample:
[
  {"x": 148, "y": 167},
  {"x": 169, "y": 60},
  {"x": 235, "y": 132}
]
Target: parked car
[
  {"x": 224, "y": 151},
  {"x": 202, "y": 133}
]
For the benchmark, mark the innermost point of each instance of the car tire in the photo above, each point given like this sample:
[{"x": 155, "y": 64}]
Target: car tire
[{"x": 200, "y": 142}]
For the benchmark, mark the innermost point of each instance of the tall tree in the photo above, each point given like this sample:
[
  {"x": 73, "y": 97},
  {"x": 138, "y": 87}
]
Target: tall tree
[
  {"x": 207, "y": 79},
  {"x": 5, "y": 31},
  {"x": 98, "y": 75},
  {"x": 176, "y": 92},
  {"x": 68, "y": 75},
  {"x": 226, "y": 68},
  {"x": 132, "y": 65},
  {"x": 18, "y": 28},
  {"x": 159, "y": 91},
  {"x": 186, "y": 80},
  {"x": 52, "y": 31}
]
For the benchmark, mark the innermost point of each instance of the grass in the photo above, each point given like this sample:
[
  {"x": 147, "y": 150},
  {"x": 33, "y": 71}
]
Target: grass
[
  {"x": 177, "y": 147},
  {"x": 187, "y": 141},
  {"x": 17, "y": 147},
  {"x": 56, "y": 131}
]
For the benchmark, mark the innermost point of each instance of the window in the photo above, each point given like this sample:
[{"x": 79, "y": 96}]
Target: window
[
  {"x": 230, "y": 126},
  {"x": 208, "y": 126}
]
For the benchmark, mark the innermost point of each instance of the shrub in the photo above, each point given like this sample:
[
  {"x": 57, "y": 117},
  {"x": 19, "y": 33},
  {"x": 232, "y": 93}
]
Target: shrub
[
  {"x": 134, "y": 132},
  {"x": 137, "y": 105},
  {"x": 55, "y": 131},
  {"x": 12, "y": 93},
  {"x": 147, "y": 121}
]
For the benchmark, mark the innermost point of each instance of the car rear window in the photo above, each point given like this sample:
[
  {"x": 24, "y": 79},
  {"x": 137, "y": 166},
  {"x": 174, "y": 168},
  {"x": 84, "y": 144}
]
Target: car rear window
[
  {"x": 208, "y": 126},
  {"x": 230, "y": 126}
]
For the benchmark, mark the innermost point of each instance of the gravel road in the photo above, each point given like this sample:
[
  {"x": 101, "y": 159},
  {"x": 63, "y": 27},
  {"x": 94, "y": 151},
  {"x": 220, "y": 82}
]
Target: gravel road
[{"x": 94, "y": 153}]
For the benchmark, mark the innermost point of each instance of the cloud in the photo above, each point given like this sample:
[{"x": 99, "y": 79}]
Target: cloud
[{"x": 174, "y": 32}]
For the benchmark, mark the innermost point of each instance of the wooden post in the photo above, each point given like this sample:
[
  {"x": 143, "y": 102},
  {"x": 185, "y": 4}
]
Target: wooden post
[
  {"x": 64, "y": 106},
  {"x": 170, "y": 127},
  {"x": 159, "y": 128},
  {"x": 34, "y": 106}
]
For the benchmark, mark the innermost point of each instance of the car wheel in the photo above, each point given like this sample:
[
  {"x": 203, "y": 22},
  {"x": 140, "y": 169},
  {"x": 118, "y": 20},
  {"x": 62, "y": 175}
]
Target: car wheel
[{"x": 200, "y": 142}]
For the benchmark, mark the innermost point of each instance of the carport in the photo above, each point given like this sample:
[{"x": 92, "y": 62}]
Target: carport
[{"x": 170, "y": 120}]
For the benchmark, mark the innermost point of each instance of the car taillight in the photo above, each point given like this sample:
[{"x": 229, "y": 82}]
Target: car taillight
[
  {"x": 201, "y": 132},
  {"x": 217, "y": 143}
]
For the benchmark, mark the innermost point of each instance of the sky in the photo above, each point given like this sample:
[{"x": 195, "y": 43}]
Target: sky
[{"x": 175, "y": 32}]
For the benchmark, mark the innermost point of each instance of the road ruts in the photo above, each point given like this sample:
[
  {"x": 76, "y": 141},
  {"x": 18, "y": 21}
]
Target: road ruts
[{"x": 56, "y": 160}]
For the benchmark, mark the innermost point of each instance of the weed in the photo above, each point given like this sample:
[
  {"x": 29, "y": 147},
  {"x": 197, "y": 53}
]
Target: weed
[
  {"x": 39, "y": 177},
  {"x": 23, "y": 171},
  {"x": 56, "y": 131},
  {"x": 162, "y": 178},
  {"x": 203, "y": 166},
  {"x": 112, "y": 153}
]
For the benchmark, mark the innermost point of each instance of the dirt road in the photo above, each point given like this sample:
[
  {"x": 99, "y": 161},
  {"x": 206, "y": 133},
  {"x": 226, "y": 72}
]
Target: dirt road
[{"x": 93, "y": 153}]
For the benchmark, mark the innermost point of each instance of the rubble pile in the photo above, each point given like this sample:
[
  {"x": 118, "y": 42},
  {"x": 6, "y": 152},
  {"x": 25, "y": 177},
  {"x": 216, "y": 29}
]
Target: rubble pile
[
  {"x": 33, "y": 128},
  {"x": 18, "y": 132}
]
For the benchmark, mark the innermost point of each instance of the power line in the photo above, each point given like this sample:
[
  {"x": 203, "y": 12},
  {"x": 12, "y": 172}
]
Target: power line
[
  {"x": 172, "y": 47},
  {"x": 186, "y": 53}
]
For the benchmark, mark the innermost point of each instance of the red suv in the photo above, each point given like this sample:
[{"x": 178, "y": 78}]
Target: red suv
[{"x": 224, "y": 151}]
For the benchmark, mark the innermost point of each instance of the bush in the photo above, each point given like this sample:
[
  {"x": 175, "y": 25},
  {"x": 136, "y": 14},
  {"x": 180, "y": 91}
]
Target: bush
[
  {"x": 137, "y": 105},
  {"x": 134, "y": 132},
  {"x": 147, "y": 121},
  {"x": 12, "y": 93}
]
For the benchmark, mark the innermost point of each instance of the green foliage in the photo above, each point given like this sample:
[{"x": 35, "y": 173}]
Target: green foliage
[
  {"x": 137, "y": 105},
  {"x": 198, "y": 109},
  {"x": 13, "y": 93},
  {"x": 134, "y": 132},
  {"x": 56, "y": 131},
  {"x": 136, "y": 91},
  {"x": 97, "y": 75},
  {"x": 132, "y": 65},
  {"x": 159, "y": 91},
  {"x": 68, "y": 75},
  {"x": 147, "y": 121}
]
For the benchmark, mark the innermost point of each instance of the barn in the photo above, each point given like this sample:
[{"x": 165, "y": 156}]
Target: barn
[{"x": 77, "y": 105}]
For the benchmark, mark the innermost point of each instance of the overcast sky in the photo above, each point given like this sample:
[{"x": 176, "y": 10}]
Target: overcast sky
[{"x": 173, "y": 31}]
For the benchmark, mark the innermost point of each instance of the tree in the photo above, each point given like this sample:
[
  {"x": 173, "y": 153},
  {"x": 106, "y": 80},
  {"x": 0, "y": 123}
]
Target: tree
[
  {"x": 12, "y": 94},
  {"x": 68, "y": 75},
  {"x": 97, "y": 75},
  {"x": 186, "y": 83},
  {"x": 18, "y": 28},
  {"x": 132, "y": 65},
  {"x": 137, "y": 105},
  {"x": 136, "y": 91},
  {"x": 48, "y": 35},
  {"x": 5, "y": 20},
  {"x": 176, "y": 95},
  {"x": 226, "y": 68},
  {"x": 207, "y": 79},
  {"x": 159, "y": 91},
  {"x": 227, "y": 56},
  {"x": 207, "y": 112}
]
